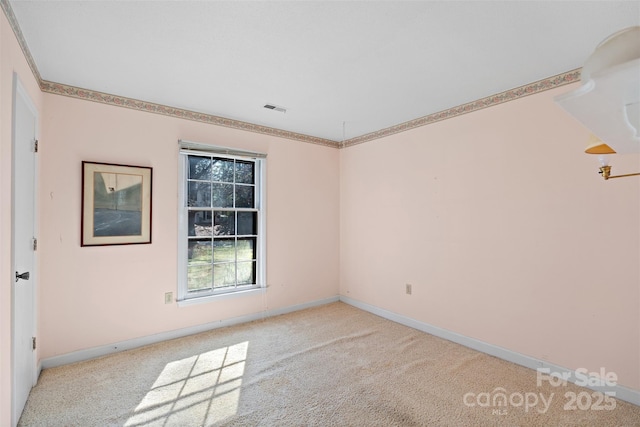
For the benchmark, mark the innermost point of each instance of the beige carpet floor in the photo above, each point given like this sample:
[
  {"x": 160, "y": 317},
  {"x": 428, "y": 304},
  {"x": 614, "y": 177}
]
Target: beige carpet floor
[{"x": 333, "y": 365}]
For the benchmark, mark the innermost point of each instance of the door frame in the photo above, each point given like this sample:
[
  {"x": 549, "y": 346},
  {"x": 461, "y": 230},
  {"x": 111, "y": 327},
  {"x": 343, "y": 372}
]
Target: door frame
[{"x": 20, "y": 91}]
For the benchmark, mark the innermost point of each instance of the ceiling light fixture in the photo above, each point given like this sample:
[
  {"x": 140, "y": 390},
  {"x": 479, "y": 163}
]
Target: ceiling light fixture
[{"x": 603, "y": 151}]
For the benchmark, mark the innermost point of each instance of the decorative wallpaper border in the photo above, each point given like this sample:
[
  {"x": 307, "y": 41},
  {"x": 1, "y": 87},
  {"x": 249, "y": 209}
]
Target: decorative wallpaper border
[
  {"x": 11, "y": 17},
  {"x": 134, "y": 104},
  {"x": 510, "y": 95},
  {"x": 120, "y": 101}
]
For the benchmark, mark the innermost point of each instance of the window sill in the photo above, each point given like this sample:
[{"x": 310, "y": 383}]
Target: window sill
[{"x": 218, "y": 297}]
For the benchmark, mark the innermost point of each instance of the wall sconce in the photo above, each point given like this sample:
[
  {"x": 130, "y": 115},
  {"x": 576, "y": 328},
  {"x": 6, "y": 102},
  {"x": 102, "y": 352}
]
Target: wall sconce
[{"x": 603, "y": 151}]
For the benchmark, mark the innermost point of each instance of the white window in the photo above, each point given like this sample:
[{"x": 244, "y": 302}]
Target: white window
[{"x": 221, "y": 215}]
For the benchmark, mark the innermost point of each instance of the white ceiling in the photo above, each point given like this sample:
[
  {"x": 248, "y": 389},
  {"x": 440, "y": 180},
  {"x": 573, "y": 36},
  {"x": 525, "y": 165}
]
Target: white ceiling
[{"x": 342, "y": 69}]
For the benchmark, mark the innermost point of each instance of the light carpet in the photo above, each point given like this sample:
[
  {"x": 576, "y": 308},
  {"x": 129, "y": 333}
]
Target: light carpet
[{"x": 333, "y": 365}]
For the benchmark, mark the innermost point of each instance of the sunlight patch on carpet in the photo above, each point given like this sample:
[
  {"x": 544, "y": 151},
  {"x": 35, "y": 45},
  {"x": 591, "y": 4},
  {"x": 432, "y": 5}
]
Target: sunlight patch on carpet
[{"x": 197, "y": 390}]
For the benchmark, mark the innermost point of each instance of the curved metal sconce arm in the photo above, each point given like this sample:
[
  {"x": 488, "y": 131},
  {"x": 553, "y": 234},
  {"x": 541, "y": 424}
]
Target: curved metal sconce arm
[{"x": 605, "y": 171}]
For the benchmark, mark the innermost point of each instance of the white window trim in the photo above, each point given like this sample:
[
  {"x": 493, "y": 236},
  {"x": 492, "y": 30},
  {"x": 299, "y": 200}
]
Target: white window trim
[{"x": 186, "y": 148}]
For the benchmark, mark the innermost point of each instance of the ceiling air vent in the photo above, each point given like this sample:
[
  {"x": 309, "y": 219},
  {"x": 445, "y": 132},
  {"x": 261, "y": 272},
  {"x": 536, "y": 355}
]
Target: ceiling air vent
[{"x": 275, "y": 108}]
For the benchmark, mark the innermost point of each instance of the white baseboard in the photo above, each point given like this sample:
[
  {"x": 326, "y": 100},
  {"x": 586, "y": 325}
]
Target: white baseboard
[
  {"x": 92, "y": 353},
  {"x": 621, "y": 392}
]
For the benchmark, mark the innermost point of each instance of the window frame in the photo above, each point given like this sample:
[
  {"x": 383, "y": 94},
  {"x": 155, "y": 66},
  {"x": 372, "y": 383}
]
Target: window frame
[{"x": 184, "y": 296}]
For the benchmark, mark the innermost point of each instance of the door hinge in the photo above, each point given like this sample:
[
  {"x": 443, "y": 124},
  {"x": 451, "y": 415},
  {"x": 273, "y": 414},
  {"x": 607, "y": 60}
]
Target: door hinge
[
  {"x": 35, "y": 244},
  {"x": 35, "y": 146},
  {"x": 33, "y": 340}
]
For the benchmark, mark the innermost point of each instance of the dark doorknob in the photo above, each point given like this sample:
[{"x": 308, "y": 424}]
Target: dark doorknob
[{"x": 23, "y": 276}]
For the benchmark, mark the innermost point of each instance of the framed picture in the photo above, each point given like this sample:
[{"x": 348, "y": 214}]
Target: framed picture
[{"x": 116, "y": 204}]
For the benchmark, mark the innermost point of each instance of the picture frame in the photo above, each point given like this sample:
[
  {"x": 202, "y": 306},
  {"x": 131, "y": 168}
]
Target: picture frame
[{"x": 116, "y": 204}]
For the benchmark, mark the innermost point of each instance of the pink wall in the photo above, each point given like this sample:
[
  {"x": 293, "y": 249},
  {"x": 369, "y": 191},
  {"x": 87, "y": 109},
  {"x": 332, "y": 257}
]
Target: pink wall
[
  {"x": 94, "y": 296},
  {"x": 11, "y": 60},
  {"x": 496, "y": 218},
  {"x": 506, "y": 232}
]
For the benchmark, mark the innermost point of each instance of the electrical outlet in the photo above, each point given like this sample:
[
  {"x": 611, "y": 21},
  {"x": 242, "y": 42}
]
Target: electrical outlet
[
  {"x": 408, "y": 288},
  {"x": 168, "y": 297}
]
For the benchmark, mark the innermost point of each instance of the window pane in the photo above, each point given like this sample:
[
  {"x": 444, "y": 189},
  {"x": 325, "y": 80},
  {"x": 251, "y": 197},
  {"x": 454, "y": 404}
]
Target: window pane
[
  {"x": 222, "y": 195},
  {"x": 244, "y": 196},
  {"x": 199, "y": 277},
  {"x": 246, "y": 249},
  {"x": 244, "y": 172},
  {"x": 220, "y": 214},
  {"x": 224, "y": 223},
  {"x": 200, "y": 168},
  {"x": 224, "y": 250},
  {"x": 200, "y": 223},
  {"x": 222, "y": 170},
  {"x": 199, "y": 251},
  {"x": 199, "y": 194},
  {"x": 247, "y": 223},
  {"x": 224, "y": 275},
  {"x": 246, "y": 273}
]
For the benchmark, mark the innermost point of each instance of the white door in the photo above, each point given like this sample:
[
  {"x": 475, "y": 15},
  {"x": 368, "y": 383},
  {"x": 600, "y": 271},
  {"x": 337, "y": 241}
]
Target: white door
[{"x": 24, "y": 133}]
